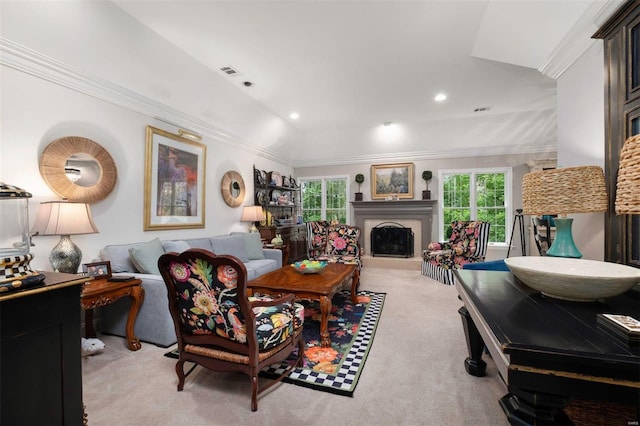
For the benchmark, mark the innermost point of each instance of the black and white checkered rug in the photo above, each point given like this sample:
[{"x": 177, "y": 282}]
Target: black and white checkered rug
[{"x": 345, "y": 378}]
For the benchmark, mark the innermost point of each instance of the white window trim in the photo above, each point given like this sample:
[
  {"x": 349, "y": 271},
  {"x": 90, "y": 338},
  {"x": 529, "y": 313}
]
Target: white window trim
[
  {"x": 323, "y": 179},
  {"x": 508, "y": 189}
]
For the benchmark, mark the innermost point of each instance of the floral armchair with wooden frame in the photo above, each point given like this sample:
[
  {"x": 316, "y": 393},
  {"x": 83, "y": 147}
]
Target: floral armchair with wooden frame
[
  {"x": 467, "y": 244},
  {"x": 221, "y": 328}
]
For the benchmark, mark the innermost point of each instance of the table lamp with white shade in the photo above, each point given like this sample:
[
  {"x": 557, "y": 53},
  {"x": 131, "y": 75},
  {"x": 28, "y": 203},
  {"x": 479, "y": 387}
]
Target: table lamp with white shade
[
  {"x": 564, "y": 191},
  {"x": 64, "y": 218},
  {"x": 252, "y": 214}
]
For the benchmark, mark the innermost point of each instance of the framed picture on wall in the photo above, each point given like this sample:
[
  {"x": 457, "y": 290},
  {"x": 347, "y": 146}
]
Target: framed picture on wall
[
  {"x": 391, "y": 181},
  {"x": 174, "y": 185}
]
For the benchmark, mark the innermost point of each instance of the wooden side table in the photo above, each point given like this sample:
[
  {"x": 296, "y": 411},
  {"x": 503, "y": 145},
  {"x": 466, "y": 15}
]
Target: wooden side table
[{"x": 101, "y": 292}]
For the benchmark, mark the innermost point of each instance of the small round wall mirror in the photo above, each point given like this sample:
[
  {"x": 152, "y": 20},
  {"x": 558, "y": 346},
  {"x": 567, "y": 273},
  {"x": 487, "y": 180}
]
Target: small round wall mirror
[
  {"x": 232, "y": 188},
  {"x": 78, "y": 169}
]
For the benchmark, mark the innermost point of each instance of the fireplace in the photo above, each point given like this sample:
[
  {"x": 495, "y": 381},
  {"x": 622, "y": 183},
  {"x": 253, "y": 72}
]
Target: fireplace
[
  {"x": 415, "y": 214},
  {"x": 391, "y": 239}
]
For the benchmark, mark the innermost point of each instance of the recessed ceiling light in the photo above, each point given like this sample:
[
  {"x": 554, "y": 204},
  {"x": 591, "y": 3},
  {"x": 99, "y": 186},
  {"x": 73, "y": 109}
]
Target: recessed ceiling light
[
  {"x": 440, "y": 97},
  {"x": 387, "y": 123},
  {"x": 294, "y": 116}
]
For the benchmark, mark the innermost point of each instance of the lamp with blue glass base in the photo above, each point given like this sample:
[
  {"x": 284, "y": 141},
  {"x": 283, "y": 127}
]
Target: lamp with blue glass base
[
  {"x": 564, "y": 191},
  {"x": 563, "y": 244}
]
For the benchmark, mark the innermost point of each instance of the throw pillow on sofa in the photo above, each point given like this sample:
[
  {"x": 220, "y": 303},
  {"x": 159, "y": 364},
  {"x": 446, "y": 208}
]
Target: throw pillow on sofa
[
  {"x": 230, "y": 244},
  {"x": 177, "y": 245},
  {"x": 118, "y": 255},
  {"x": 201, "y": 243},
  {"x": 252, "y": 244},
  {"x": 144, "y": 256}
]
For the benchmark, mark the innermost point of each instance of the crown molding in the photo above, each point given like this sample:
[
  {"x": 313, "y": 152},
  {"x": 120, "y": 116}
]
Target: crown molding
[
  {"x": 28, "y": 61},
  {"x": 578, "y": 39}
]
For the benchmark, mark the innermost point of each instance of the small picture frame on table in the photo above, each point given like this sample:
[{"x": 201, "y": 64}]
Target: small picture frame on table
[{"x": 97, "y": 269}]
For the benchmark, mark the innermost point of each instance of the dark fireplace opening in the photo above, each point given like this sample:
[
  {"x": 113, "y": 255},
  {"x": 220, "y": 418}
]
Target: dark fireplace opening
[{"x": 391, "y": 239}]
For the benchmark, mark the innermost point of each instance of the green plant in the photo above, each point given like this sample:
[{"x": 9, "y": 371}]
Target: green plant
[
  {"x": 359, "y": 180},
  {"x": 427, "y": 175}
]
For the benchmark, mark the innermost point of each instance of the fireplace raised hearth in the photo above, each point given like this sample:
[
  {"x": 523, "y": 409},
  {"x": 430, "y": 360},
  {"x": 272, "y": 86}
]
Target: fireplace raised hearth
[{"x": 391, "y": 239}]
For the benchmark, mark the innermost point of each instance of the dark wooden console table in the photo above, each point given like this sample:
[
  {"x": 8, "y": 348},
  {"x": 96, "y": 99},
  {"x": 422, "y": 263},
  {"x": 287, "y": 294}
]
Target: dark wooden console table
[
  {"x": 40, "y": 364},
  {"x": 547, "y": 351}
]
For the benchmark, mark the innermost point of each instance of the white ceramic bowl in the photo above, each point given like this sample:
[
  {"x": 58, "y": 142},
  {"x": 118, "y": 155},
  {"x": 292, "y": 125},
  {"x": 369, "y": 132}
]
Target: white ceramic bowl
[{"x": 578, "y": 280}]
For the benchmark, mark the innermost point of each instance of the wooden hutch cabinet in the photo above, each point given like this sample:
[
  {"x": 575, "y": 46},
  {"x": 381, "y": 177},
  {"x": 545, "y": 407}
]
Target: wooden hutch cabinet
[
  {"x": 281, "y": 199},
  {"x": 621, "y": 36}
]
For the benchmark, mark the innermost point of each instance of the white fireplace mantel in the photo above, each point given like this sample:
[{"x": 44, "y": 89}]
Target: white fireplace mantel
[{"x": 421, "y": 210}]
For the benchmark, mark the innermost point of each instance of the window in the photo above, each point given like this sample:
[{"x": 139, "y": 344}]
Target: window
[
  {"x": 479, "y": 194},
  {"x": 324, "y": 199}
]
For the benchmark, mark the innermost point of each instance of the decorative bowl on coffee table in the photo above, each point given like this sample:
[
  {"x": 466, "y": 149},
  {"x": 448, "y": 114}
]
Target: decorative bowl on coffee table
[
  {"x": 309, "y": 266},
  {"x": 578, "y": 280}
]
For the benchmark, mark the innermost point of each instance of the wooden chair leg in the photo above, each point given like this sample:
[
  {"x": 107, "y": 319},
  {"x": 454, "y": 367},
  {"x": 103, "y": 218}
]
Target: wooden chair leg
[
  {"x": 301, "y": 347},
  {"x": 254, "y": 392},
  {"x": 180, "y": 373}
]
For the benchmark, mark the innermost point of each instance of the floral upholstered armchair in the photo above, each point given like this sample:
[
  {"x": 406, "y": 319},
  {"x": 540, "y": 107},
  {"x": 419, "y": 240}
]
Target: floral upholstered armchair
[
  {"x": 219, "y": 327},
  {"x": 333, "y": 243},
  {"x": 467, "y": 244}
]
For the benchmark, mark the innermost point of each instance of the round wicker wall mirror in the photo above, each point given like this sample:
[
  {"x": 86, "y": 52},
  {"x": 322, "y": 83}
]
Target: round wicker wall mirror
[
  {"x": 232, "y": 188},
  {"x": 78, "y": 169}
]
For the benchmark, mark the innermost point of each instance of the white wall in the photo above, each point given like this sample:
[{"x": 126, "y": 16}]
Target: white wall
[
  {"x": 581, "y": 136},
  {"x": 42, "y": 103}
]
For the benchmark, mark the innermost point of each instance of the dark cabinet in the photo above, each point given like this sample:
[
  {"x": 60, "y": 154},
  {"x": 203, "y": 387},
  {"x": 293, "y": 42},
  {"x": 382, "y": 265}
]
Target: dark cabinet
[
  {"x": 296, "y": 238},
  {"x": 40, "y": 360},
  {"x": 621, "y": 36},
  {"x": 281, "y": 199}
]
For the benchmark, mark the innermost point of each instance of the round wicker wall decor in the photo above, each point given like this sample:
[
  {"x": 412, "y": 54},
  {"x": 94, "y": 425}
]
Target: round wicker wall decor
[{"x": 54, "y": 160}]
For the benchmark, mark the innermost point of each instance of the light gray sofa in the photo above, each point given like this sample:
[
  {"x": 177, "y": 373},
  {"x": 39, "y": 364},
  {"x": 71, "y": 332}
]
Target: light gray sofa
[{"x": 154, "y": 324}]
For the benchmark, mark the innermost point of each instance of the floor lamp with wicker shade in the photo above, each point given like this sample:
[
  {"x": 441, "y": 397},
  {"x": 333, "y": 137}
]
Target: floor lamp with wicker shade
[
  {"x": 564, "y": 191},
  {"x": 628, "y": 187}
]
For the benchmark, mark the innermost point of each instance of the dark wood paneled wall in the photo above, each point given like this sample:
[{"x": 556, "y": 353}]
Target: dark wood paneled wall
[{"x": 621, "y": 36}]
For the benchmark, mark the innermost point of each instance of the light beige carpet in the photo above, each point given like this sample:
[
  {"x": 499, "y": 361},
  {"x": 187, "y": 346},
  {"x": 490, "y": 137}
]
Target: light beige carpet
[{"x": 414, "y": 375}]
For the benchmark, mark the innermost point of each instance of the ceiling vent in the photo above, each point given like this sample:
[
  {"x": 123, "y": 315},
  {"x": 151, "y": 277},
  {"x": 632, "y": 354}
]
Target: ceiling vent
[
  {"x": 230, "y": 71},
  {"x": 482, "y": 109}
]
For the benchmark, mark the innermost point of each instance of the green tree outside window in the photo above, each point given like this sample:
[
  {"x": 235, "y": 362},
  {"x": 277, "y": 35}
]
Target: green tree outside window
[
  {"x": 476, "y": 195},
  {"x": 324, "y": 199}
]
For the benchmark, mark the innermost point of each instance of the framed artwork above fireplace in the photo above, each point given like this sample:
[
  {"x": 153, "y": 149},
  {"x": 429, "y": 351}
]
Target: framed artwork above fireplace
[{"x": 392, "y": 181}]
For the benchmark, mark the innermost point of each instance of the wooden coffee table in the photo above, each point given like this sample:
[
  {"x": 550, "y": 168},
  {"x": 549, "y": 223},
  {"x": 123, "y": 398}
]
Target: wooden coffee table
[
  {"x": 321, "y": 287},
  {"x": 101, "y": 292}
]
